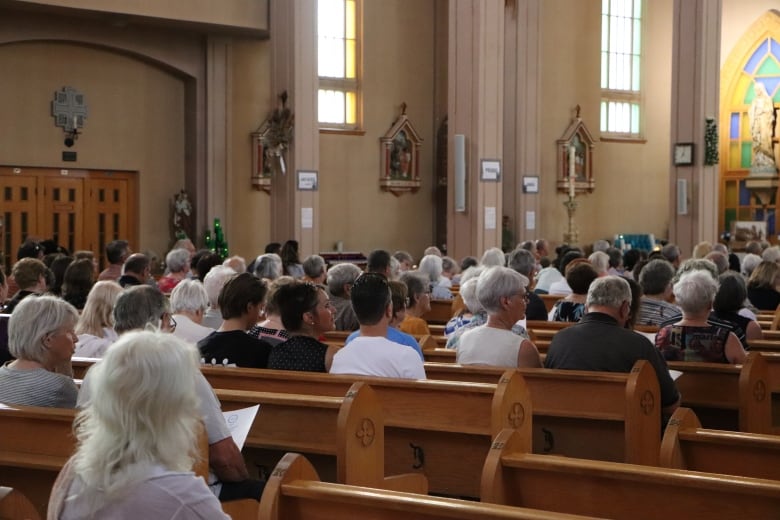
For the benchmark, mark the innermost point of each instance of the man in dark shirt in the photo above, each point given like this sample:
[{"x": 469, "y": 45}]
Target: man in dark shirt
[
  {"x": 240, "y": 302},
  {"x": 600, "y": 342}
]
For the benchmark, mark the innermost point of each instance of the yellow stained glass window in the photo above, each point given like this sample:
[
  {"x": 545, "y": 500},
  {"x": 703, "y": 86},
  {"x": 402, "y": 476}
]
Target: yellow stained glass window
[{"x": 338, "y": 37}]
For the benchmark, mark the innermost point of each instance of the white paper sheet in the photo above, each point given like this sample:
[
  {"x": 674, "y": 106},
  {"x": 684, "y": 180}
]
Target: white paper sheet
[
  {"x": 239, "y": 422},
  {"x": 307, "y": 218},
  {"x": 490, "y": 217},
  {"x": 530, "y": 220}
]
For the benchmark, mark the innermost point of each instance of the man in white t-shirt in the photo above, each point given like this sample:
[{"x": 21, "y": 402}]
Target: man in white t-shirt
[{"x": 372, "y": 354}]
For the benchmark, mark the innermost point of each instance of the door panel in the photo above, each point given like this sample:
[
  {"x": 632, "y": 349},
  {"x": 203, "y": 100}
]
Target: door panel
[
  {"x": 63, "y": 211},
  {"x": 108, "y": 207},
  {"x": 19, "y": 214}
]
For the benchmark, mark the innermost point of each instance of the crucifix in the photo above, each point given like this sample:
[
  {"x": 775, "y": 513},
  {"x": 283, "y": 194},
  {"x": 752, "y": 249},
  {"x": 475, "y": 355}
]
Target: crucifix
[{"x": 69, "y": 109}]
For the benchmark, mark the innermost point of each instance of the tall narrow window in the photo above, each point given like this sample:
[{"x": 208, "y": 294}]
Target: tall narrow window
[
  {"x": 621, "y": 61},
  {"x": 339, "y": 63}
]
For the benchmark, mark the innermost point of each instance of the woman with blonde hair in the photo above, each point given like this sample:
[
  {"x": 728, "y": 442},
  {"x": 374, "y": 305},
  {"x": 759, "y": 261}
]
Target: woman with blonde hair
[
  {"x": 137, "y": 443},
  {"x": 95, "y": 327},
  {"x": 762, "y": 286}
]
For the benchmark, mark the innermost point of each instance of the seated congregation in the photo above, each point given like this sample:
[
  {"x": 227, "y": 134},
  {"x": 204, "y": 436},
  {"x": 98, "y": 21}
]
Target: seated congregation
[{"x": 158, "y": 346}]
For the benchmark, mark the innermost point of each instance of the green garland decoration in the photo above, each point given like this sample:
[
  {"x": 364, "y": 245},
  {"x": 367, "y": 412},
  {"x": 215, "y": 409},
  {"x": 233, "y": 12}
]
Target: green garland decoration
[{"x": 711, "y": 143}]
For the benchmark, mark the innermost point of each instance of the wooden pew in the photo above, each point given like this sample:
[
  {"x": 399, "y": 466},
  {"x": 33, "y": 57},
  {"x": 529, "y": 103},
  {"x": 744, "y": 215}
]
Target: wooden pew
[
  {"x": 439, "y": 355},
  {"x": 440, "y": 313},
  {"x": 294, "y": 492},
  {"x": 15, "y": 506},
  {"x": 728, "y": 397},
  {"x": 549, "y": 300},
  {"x": 686, "y": 445},
  {"x": 349, "y": 428},
  {"x": 773, "y": 369},
  {"x": 36, "y": 443},
  {"x": 515, "y": 477},
  {"x": 620, "y": 420},
  {"x": 441, "y": 429}
]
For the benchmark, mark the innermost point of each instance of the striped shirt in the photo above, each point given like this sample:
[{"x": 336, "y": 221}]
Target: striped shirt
[{"x": 37, "y": 387}]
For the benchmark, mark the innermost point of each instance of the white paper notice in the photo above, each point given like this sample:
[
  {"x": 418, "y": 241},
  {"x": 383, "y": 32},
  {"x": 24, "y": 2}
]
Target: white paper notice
[
  {"x": 675, "y": 374},
  {"x": 490, "y": 217},
  {"x": 239, "y": 422},
  {"x": 530, "y": 220},
  {"x": 307, "y": 218}
]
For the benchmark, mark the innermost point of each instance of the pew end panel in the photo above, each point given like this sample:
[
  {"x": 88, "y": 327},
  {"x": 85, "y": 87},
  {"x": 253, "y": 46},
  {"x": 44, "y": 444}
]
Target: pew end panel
[
  {"x": 755, "y": 397},
  {"x": 620, "y": 491},
  {"x": 688, "y": 446},
  {"x": 295, "y": 493},
  {"x": 15, "y": 506}
]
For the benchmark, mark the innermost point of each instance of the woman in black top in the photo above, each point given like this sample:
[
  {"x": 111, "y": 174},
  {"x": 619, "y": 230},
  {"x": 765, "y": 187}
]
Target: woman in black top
[
  {"x": 307, "y": 314},
  {"x": 729, "y": 300},
  {"x": 762, "y": 286}
]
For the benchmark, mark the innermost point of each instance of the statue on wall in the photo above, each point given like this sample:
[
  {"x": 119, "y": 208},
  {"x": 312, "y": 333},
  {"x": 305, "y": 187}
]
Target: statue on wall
[
  {"x": 762, "y": 115},
  {"x": 182, "y": 215}
]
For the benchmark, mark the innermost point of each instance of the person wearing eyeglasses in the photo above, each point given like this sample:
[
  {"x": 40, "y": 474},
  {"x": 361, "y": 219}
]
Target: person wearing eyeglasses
[
  {"x": 372, "y": 354},
  {"x": 306, "y": 314},
  {"x": 502, "y": 292},
  {"x": 419, "y": 303}
]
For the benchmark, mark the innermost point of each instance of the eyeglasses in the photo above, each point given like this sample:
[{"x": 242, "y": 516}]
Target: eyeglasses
[{"x": 171, "y": 323}]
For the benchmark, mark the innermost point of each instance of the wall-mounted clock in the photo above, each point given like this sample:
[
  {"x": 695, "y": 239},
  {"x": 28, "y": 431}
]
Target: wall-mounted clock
[{"x": 683, "y": 154}]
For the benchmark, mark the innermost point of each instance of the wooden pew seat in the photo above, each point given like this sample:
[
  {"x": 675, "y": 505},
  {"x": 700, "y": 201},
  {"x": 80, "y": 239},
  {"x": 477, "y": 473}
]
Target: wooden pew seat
[
  {"x": 513, "y": 476},
  {"x": 686, "y": 445},
  {"x": 294, "y": 492}
]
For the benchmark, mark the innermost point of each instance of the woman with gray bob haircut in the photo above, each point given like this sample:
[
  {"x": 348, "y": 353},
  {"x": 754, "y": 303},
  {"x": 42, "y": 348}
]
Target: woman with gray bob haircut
[
  {"x": 502, "y": 292},
  {"x": 693, "y": 338},
  {"x": 189, "y": 303},
  {"x": 42, "y": 338},
  {"x": 268, "y": 266},
  {"x": 137, "y": 443}
]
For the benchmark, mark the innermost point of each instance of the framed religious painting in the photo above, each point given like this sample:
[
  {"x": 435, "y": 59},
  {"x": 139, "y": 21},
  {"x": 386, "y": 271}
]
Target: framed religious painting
[
  {"x": 575, "y": 159},
  {"x": 399, "y": 152}
]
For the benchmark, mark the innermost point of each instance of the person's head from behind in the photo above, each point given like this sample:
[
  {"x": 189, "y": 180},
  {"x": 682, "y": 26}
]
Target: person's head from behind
[
  {"x": 271, "y": 300},
  {"x": 731, "y": 293},
  {"x": 694, "y": 293},
  {"x": 371, "y": 298},
  {"x": 449, "y": 267},
  {"x": 138, "y": 265},
  {"x": 600, "y": 262},
  {"x": 468, "y": 291},
  {"x": 147, "y": 414},
  {"x": 405, "y": 260},
  {"x": 611, "y": 295},
  {"x": 268, "y": 266},
  {"x": 30, "y": 274},
  {"x": 139, "y": 307},
  {"x": 579, "y": 277},
  {"x": 399, "y": 294},
  {"x": 431, "y": 267},
  {"x": 189, "y": 297},
  {"x": 98, "y": 312},
  {"x": 304, "y": 308},
  {"x": 341, "y": 277},
  {"x": 567, "y": 258},
  {"x": 237, "y": 263},
  {"x": 672, "y": 254},
  {"x": 41, "y": 329},
  {"x": 419, "y": 292},
  {"x": 273, "y": 247},
  {"x": 501, "y": 290},
  {"x": 206, "y": 263},
  {"x": 656, "y": 279},
  {"x": 117, "y": 252},
  {"x": 379, "y": 262},
  {"x": 432, "y": 250},
  {"x": 493, "y": 257},
  {"x": 749, "y": 263},
  {"x": 467, "y": 262},
  {"x": 29, "y": 249},
  {"x": 214, "y": 282},
  {"x": 289, "y": 252},
  {"x": 522, "y": 261},
  {"x": 315, "y": 269},
  {"x": 57, "y": 269},
  {"x": 242, "y": 296},
  {"x": 720, "y": 260},
  {"x": 766, "y": 275},
  {"x": 696, "y": 264},
  {"x": 178, "y": 260},
  {"x": 78, "y": 278}
]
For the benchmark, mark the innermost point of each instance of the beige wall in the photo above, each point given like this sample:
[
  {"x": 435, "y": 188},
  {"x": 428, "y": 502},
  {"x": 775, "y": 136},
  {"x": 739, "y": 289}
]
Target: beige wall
[
  {"x": 398, "y": 66},
  {"x": 251, "y": 101},
  {"x": 738, "y": 16},
  {"x": 135, "y": 121},
  {"x": 631, "y": 194}
]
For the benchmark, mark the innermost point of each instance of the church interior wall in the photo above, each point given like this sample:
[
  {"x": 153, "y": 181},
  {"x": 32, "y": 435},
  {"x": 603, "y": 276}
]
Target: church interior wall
[
  {"x": 631, "y": 194},
  {"x": 398, "y": 66},
  {"x": 738, "y": 16},
  {"x": 135, "y": 121}
]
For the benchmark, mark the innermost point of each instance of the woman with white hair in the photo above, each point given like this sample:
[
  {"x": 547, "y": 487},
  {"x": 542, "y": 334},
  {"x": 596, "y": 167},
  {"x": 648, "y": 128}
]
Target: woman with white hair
[
  {"x": 178, "y": 263},
  {"x": 42, "y": 339},
  {"x": 693, "y": 338},
  {"x": 137, "y": 443},
  {"x": 189, "y": 303},
  {"x": 268, "y": 266},
  {"x": 431, "y": 268},
  {"x": 493, "y": 257},
  {"x": 502, "y": 292}
]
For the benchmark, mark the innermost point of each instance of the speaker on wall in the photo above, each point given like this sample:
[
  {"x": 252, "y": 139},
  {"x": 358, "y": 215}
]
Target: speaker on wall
[{"x": 460, "y": 172}]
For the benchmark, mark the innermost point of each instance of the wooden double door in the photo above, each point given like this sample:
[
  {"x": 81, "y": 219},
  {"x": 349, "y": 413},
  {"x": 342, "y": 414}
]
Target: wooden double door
[{"x": 79, "y": 209}]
